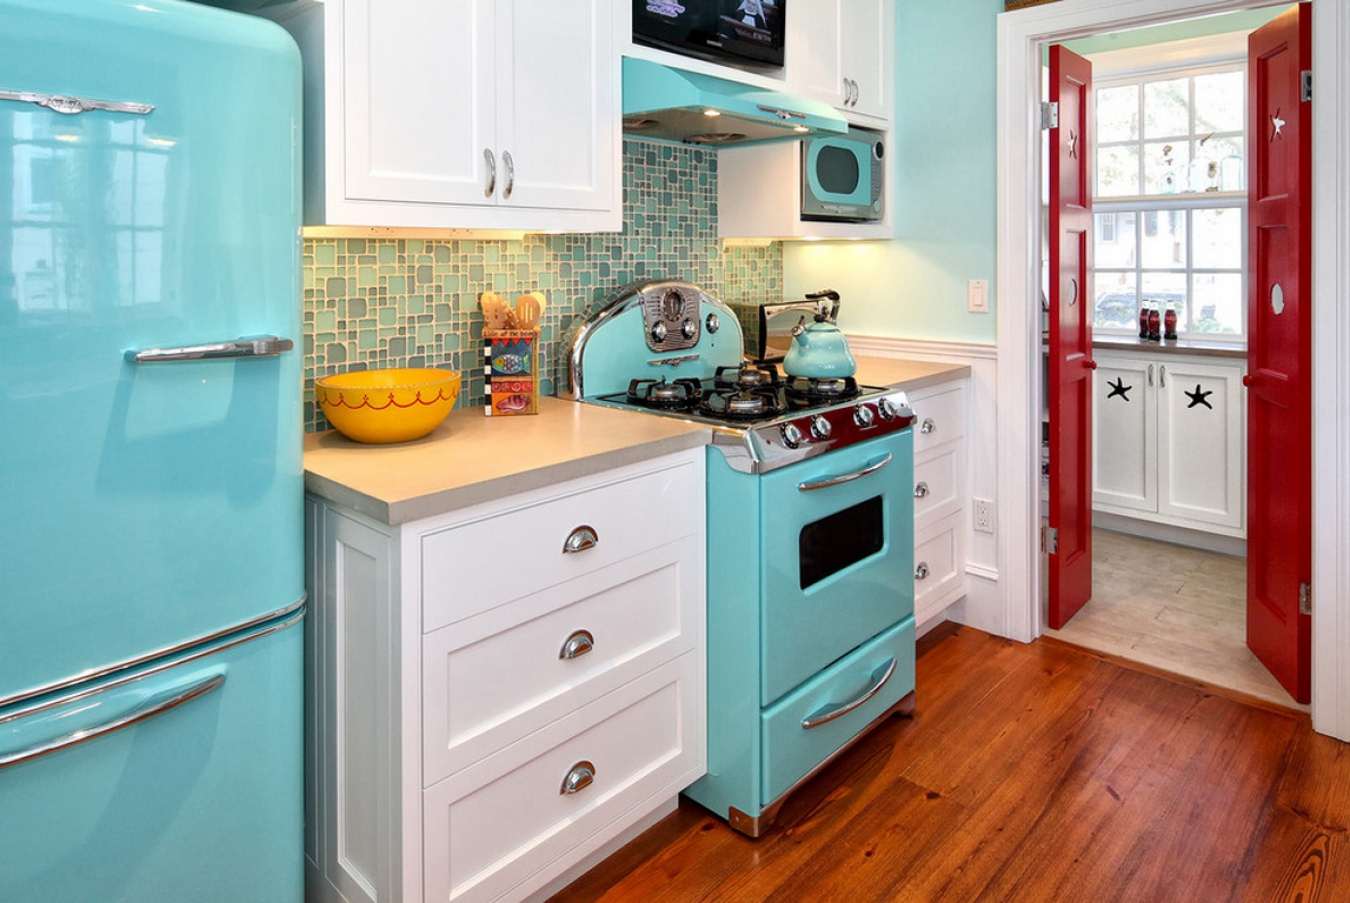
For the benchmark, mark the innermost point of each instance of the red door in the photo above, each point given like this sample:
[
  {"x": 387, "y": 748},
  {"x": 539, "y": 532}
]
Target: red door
[
  {"x": 1279, "y": 319},
  {"x": 1071, "y": 363}
]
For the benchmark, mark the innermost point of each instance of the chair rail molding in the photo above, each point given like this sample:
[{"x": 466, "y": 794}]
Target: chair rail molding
[{"x": 1021, "y": 34}]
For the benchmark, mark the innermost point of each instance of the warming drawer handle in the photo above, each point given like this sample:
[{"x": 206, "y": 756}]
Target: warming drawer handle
[
  {"x": 578, "y": 644},
  {"x": 834, "y": 711},
  {"x": 148, "y": 709},
  {"x": 827, "y": 482},
  {"x": 249, "y": 346},
  {"x": 581, "y": 539},
  {"x": 578, "y": 778}
]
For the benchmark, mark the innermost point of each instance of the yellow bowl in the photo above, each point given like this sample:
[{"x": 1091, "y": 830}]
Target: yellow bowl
[{"x": 382, "y": 406}]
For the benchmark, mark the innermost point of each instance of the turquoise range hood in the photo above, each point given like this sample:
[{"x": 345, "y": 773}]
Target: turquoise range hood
[{"x": 671, "y": 104}]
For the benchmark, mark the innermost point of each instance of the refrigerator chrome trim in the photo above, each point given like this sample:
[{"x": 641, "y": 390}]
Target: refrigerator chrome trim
[
  {"x": 71, "y": 105},
  {"x": 96, "y": 673},
  {"x": 248, "y": 346},
  {"x": 257, "y": 634}
]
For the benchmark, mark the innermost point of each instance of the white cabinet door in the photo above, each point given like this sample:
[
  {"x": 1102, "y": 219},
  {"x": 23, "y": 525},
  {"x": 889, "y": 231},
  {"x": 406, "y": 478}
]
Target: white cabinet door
[
  {"x": 557, "y": 103},
  {"x": 1200, "y": 442},
  {"x": 814, "y": 51},
  {"x": 1124, "y": 440},
  {"x": 865, "y": 44},
  {"x": 417, "y": 93}
]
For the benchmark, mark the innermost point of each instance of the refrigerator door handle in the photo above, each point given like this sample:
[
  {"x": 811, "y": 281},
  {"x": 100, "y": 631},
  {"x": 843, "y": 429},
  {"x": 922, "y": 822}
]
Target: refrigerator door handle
[
  {"x": 249, "y": 346},
  {"x": 70, "y": 105},
  {"x": 151, "y": 707}
]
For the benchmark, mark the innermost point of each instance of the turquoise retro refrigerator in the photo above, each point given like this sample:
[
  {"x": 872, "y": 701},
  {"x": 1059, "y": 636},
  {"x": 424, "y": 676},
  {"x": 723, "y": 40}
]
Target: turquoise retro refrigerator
[{"x": 151, "y": 594}]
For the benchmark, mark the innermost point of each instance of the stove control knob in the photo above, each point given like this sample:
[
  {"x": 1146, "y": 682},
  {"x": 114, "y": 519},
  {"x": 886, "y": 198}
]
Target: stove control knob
[
  {"x": 792, "y": 436},
  {"x": 863, "y": 416},
  {"x": 713, "y": 323},
  {"x": 690, "y": 329},
  {"x": 820, "y": 427},
  {"x": 888, "y": 409},
  {"x": 659, "y": 331}
]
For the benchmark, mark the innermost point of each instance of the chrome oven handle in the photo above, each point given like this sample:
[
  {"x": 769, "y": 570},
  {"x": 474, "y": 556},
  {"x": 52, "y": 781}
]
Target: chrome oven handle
[
  {"x": 580, "y": 539},
  {"x": 578, "y": 644},
  {"x": 578, "y": 778},
  {"x": 251, "y": 346},
  {"x": 834, "y": 711},
  {"x": 838, "y": 479},
  {"x": 146, "y": 710}
]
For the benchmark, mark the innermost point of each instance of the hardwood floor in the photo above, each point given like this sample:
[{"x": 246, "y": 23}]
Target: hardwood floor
[
  {"x": 1174, "y": 608},
  {"x": 1031, "y": 773}
]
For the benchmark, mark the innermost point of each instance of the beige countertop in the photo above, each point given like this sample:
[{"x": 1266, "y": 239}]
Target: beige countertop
[
  {"x": 1175, "y": 346},
  {"x": 472, "y": 458}
]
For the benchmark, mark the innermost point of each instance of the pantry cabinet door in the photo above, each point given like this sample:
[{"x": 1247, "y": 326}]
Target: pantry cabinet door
[
  {"x": 865, "y": 42},
  {"x": 417, "y": 100},
  {"x": 1200, "y": 437},
  {"x": 1124, "y": 433},
  {"x": 814, "y": 50},
  {"x": 558, "y": 104}
]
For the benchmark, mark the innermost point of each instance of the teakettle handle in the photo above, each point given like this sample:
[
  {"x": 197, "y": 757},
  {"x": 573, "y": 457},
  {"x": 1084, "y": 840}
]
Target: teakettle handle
[{"x": 822, "y": 296}]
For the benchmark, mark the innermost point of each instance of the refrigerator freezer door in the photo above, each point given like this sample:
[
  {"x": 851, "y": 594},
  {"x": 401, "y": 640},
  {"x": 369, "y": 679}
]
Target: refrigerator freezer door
[
  {"x": 180, "y": 781},
  {"x": 149, "y": 199}
]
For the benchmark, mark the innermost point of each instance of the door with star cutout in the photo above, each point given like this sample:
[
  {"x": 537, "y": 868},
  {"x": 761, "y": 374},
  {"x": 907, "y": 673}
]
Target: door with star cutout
[
  {"x": 1279, "y": 326},
  {"x": 1070, "y": 342}
]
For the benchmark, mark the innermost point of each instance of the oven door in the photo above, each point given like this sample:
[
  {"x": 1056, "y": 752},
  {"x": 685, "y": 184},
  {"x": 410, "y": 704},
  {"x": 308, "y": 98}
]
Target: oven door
[{"x": 837, "y": 556}]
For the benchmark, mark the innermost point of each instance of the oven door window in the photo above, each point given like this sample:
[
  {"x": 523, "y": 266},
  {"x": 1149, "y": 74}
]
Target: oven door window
[{"x": 835, "y": 542}]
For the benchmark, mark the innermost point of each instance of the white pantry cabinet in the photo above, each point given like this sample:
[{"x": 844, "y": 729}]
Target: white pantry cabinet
[
  {"x": 838, "y": 52},
  {"x": 480, "y": 114},
  {"x": 1169, "y": 440},
  {"x": 496, "y": 694}
]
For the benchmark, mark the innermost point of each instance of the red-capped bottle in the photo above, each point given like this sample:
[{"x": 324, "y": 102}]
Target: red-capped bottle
[
  {"x": 1143, "y": 322},
  {"x": 1170, "y": 324},
  {"x": 1154, "y": 324}
]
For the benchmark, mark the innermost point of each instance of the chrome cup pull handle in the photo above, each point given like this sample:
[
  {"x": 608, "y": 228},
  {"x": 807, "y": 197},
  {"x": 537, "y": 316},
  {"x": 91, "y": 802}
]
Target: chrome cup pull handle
[
  {"x": 576, "y": 645},
  {"x": 581, "y": 539},
  {"x": 927, "y": 426},
  {"x": 921, "y": 572},
  {"x": 249, "y": 346},
  {"x": 581, "y": 776},
  {"x": 491, "y": 160},
  {"x": 835, "y": 710},
  {"x": 921, "y": 490}
]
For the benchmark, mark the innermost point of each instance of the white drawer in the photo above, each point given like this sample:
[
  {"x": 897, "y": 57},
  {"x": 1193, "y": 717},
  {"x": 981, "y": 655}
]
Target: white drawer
[
  {"x": 473, "y": 567},
  {"x": 937, "y": 485},
  {"x": 495, "y": 678},
  {"x": 506, "y": 819},
  {"x": 939, "y": 555},
  {"x": 942, "y": 414}
]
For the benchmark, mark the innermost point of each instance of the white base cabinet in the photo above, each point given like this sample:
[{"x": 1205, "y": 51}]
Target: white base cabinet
[
  {"x": 485, "y": 710},
  {"x": 1169, "y": 440},
  {"x": 941, "y": 506}
]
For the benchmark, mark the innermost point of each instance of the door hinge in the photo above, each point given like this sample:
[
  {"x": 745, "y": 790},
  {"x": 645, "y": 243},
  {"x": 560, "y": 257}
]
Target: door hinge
[
  {"x": 1050, "y": 539},
  {"x": 1305, "y": 84},
  {"x": 1049, "y": 115},
  {"x": 1305, "y": 598}
]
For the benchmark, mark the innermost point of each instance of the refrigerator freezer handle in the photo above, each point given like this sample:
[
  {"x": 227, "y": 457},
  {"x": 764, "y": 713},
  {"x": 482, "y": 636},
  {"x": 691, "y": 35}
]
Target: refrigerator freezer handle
[{"x": 250, "y": 346}]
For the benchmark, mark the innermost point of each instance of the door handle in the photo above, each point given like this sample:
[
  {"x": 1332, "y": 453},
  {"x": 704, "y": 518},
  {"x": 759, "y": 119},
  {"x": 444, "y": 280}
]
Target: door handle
[
  {"x": 578, "y": 644},
  {"x": 1162, "y": 375},
  {"x": 1247, "y": 380},
  {"x": 847, "y": 92},
  {"x": 581, "y": 539},
  {"x": 578, "y": 778},
  {"x": 921, "y": 572},
  {"x": 147, "y": 709},
  {"x": 921, "y": 490},
  {"x": 491, "y": 160},
  {"x": 835, "y": 710},
  {"x": 1150, "y": 374},
  {"x": 840, "y": 479},
  {"x": 70, "y": 105},
  {"x": 250, "y": 346},
  {"x": 1090, "y": 364},
  {"x": 510, "y": 166}
]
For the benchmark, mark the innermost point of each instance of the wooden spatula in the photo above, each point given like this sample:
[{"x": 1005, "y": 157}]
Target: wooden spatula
[{"x": 530, "y": 310}]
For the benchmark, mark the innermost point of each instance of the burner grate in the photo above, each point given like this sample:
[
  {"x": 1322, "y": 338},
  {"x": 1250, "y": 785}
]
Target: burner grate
[{"x": 666, "y": 395}]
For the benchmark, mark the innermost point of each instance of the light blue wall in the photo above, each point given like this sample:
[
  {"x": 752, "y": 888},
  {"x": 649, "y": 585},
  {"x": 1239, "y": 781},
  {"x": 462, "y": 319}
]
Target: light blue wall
[{"x": 943, "y": 159}]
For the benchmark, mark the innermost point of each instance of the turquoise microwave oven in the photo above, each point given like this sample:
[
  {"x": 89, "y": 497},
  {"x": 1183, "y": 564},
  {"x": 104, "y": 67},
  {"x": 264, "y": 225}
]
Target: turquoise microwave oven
[{"x": 844, "y": 177}]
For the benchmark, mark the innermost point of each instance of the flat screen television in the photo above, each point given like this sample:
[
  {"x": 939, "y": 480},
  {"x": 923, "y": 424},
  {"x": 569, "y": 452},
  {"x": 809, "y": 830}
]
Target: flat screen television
[{"x": 746, "y": 31}]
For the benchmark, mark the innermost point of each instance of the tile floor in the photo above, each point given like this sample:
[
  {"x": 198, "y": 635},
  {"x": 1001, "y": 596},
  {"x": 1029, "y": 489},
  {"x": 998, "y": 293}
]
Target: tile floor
[{"x": 1171, "y": 607}]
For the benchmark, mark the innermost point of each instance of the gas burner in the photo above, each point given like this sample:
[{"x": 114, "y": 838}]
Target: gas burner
[
  {"x": 805, "y": 390},
  {"x": 742, "y": 404},
  {"x": 745, "y": 377},
  {"x": 675, "y": 395}
]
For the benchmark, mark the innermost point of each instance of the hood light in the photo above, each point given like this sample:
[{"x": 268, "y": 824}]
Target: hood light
[{"x": 711, "y": 113}]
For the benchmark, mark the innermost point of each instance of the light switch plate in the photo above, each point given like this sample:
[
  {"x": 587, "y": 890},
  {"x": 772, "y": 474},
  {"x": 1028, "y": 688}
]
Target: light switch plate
[{"x": 977, "y": 296}]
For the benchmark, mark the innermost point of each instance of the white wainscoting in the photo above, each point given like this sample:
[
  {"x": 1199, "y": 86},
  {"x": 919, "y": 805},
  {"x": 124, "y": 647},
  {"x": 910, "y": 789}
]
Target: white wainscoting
[{"x": 983, "y": 606}]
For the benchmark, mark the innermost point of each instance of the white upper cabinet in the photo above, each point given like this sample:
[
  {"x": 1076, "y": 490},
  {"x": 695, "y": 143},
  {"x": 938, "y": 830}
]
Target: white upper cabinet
[
  {"x": 838, "y": 52},
  {"x": 476, "y": 114}
]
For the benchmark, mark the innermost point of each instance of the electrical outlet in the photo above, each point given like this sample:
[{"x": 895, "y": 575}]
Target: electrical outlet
[
  {"x": 977, "y": 296},
  {"x": 984, "y": 516}
]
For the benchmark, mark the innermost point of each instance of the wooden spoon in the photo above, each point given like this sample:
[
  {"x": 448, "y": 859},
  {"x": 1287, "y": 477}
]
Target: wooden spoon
[{"x": 530, "y": 310}]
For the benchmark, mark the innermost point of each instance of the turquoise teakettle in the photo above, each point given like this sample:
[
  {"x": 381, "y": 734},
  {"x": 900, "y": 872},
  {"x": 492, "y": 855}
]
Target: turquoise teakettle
[{"x": 819, "y": 350}]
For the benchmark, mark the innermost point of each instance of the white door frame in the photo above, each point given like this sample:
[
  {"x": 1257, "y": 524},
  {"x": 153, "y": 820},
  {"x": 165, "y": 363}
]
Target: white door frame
[{"x": 1020, "y": 37}]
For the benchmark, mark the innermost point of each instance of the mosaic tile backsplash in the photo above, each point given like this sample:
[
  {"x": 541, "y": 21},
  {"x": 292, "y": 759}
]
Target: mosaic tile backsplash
[{"x": 371, "y": 303}]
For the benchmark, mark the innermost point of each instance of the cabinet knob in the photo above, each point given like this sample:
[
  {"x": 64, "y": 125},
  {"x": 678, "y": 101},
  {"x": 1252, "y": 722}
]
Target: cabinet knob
[
  {"x": 581, "y": 539},
  {"x": 921, "y": 572},
  {"x": 1247, "y": 380},
  {"x": 921, "y": 490},
  {"x": 927, "y": 426},
  {"x": 1090, "y": 364},
  {"x": 578, "y": 644},
  {"x": 579, "y": 778}
]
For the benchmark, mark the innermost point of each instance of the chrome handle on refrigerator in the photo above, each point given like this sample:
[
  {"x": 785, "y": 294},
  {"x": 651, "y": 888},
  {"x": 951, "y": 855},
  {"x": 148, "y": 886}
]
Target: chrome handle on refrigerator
[
  {"x": 827, "y": 482},
  {"x": 834, "y": 711},
  {"x": 249, "y": 346},
  {"x": 578, "y": 644},
  {"x": 581, "y": 539},
  {"x": 1150, "y": 374},
  {"x": 491, "y": 161},
  {"x": 927, "y": 426},
  {"x": 510, "y": 166},
  {"x": 70, "y": 105},
  {"x": 149, "y": 709},
  {"x": 578, "y": 778}
]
